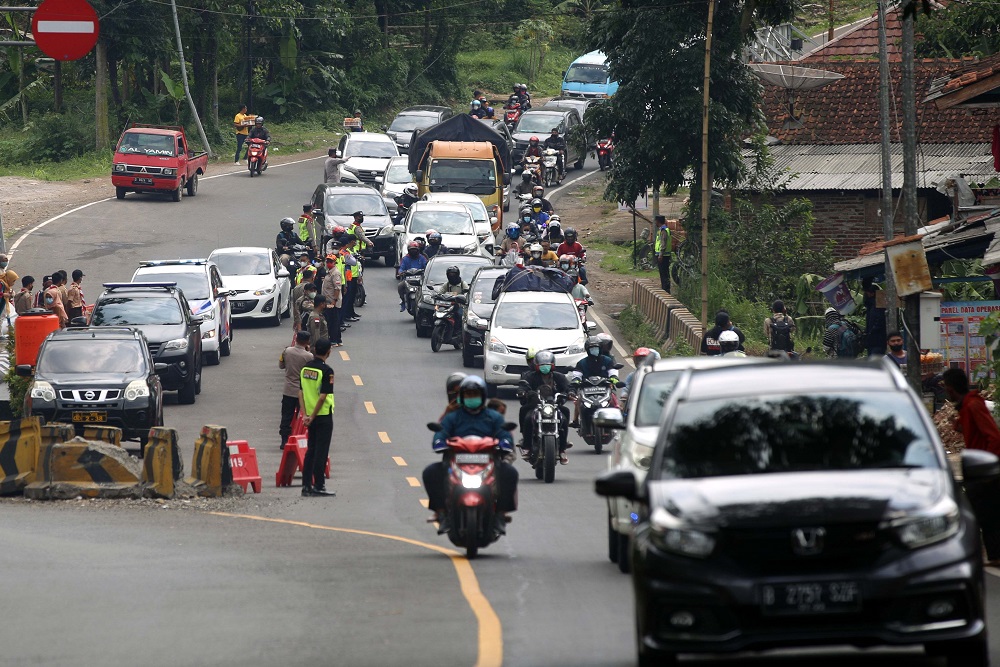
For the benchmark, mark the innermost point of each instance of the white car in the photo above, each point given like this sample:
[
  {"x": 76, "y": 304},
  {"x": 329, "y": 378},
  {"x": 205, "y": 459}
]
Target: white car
[
  {"x": 539, "y": 320},
  {"x": 632, "y": 449},
  {"x": 203, "y": 288},
  {"x": 482, "y": 219},
  {"x": 367, "y": 155},
  {"x": 397, "y": 176},
  {"x": 258, "y": 282},
  {"x": 452, "y": 220}
]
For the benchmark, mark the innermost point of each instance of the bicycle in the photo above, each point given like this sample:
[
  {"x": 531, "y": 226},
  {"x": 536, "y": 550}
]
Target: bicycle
[{"x": 686, "y": 263}]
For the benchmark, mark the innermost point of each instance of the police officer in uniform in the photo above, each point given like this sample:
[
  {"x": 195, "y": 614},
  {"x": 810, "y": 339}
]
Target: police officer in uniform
[
  {"x": 662, "y": 248},
  {"x": 316, "y": 406}
]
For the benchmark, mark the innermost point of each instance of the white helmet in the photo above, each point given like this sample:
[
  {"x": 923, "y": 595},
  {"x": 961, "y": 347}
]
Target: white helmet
[
  {"x": 410, "y": 189},
  {"x": 536, "y": 250},
  {"x": 729, "y": 341}
]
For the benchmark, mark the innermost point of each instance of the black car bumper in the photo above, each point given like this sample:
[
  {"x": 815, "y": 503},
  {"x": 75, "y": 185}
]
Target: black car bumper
[
  {"x": 134, "y": 419},
  {"x": 177, "y": 373},
  {"x": 382, "y": 246},
  {"x": 473, "y": 339}
]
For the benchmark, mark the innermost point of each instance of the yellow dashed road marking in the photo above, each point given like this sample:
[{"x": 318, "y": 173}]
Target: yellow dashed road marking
[
  {"x": 384, "y": 437},
  {"x": 343, "y": 355},
  {"x": 370, "y": 407},
  {"x": 426, "y": 503},
  {"x": 413, "y": 481},
  {"x": 399, "y": 460},
  {"x": 357, "y": 380}
]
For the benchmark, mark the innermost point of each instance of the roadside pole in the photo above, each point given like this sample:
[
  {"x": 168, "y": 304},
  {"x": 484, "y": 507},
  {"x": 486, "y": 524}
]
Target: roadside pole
[
  {"x": 184, "y": 78},
  {"x": 888, "y": 231},
  {"x": 706, "y": 179},
  {"x": 3, "y": 238},
  {"x": 911, "y": 316}
]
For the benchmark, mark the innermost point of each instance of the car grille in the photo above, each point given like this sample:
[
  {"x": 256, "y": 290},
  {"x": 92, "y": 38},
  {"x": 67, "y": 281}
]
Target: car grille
[
  {"x": 240, "y": 306},
  {"x": 367, "y": 176},
  {"x": 89, "y": 396},
  {"x": 154, "y": 348},
  {"x": 371, "y": 231},
  {"x": 524, "y": 350},
  {"x": 241, "y": 291},
  {"x": 769, "y": 550},
  {"x": 139, "y": 169}
]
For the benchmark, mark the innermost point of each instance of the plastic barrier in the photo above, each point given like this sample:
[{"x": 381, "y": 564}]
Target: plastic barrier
[
  {"x": 81, "y": 468},
  {"x": 293, "y": 458},
  {"x": 19, "y": 441},
  {"x": 243, "y": 462},
  {"x": 298, "y": 425},
  {"x": 210, "y": 472},
  {"x": 161, "y": 462}
]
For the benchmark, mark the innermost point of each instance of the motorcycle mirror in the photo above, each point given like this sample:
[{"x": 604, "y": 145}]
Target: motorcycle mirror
[
  {"x": 385, "y": 128},
  {"x": 461, "y": 299},
  {"x": 433, "y": 426},
  {"x": 506, "y": 179},
  {"x": 509, "y": 426},
  {"x": 317, "y": 212},
  {"x": 340, "y": 153}
]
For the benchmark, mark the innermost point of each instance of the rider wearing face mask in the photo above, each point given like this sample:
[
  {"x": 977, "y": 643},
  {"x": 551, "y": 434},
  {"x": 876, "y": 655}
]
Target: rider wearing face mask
[
  {"x": 543, "y": 379},
  {"x": 594, "y": 364},
  {"x": 413, "y": 260},
  {"x": 434, "y": 245},
  {"x": 535, "y": 252}
]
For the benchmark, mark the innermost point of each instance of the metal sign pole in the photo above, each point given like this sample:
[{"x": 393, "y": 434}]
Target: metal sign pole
[{"x": 635, "y": 261}]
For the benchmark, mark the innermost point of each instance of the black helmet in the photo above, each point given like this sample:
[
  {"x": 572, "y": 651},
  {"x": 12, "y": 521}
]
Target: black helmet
[
  {"x": 536, "y": 203},
  {"x": 287, "y": 224},
  {"x": 451, "y": 384},
  {"x": 454, "y": 275},
  {"x": 469, "y": 387},
  {"x": 593, "y": 343},
  {"x": 433, "y": 237},
  {"x": 569, "y": 234}
]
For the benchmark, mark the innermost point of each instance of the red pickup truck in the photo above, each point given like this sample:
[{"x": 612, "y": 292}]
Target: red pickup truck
[{"x": 156, "y": 158}]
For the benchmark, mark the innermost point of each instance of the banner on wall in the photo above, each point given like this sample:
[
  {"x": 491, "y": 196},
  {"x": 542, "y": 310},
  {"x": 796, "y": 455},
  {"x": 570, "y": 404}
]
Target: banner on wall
[{"x": 961, "y": 344}]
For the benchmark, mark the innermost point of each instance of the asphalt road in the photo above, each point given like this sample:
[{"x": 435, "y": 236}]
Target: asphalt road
[{"x": 360, "y": 579}]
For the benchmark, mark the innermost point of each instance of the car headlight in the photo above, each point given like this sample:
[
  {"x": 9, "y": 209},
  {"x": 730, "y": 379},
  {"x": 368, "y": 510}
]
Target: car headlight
[
  {"x": 262, "y": 292},
  {"x": 43, "y": 391},
  {"x": 176, "y": 344},
  {"x": 576, "y": 347},
  {"x": 208, "y": 315},
  {"x": 136, "y": 389},
  {"x": 642, "y": 456},
  {"x": 169, "y": 171},
  {"x": 472, "y": 247},
  {"x": 386, "y": 231},
  {"x": 351, "y": 169},
  {"x": 119, "y": 168},
  {"x": 670, "y": 535},
  {"x": 208, "y": 334},
  {"x": 497, "y": 346},
  {"x": 936, "y": 524}
]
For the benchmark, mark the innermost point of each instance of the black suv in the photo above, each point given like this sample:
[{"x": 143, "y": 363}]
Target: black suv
[
  {"x": 539, "y": 121},
  {"x": 411, "y": 120},
  {"x": 803, "y": 504},
  {"x": 479, "y": 311},
  {"x": 335, "y": 203},
  {"x": 96, "y": 376},
  {"x": 162, "y": 314}
]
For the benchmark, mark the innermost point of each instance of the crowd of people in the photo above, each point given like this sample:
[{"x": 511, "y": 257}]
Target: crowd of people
[{"x": 61, "y": 293}]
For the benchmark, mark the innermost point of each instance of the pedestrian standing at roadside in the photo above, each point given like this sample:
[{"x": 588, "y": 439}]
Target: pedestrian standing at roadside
[
  {"x": 779, "y": 328},
  {"x": 316, "y": 406},
  {"x": 315, "y": 321},
  {"x": 60, "y": 279},
  {"x": 663, "y": 249},
  {"x": 53, "y": 301},
  {"x": 979, "y": 431},
  {"x": 40, "y": 296},
  {"x": 74, "y": 296},
  {"x": 331, "y": 167},
  {"x": 334, "y": 293},
  {"x": 24, "y": 300},
  {"x": 241, "y": 130},
  {"x": 292, "y": 359}
]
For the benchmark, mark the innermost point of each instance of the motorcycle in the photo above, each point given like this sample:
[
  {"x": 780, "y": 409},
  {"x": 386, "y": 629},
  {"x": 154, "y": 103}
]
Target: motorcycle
[
  {"x": 472, "y": 491},
  {"x": 256, "y": 156},
  {"x": 595, "y": 392},
  {"x": 508, "y": 259},
  {"x": 533, "y": 165},
  {"x": 604, "y": 149},
  {"x": 550, "y": 163},
  {"x": 447, "y": 326},
  {"x": 545, "y": 436},
  {"x": 581, "y": 307},
  {"x": 511, "y": 114},
  {"x": 413, "y": 278}
]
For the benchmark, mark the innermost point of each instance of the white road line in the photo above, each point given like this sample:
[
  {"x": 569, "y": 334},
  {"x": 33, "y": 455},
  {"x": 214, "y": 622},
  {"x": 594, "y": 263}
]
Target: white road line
[{"x": 568, "y": 183}]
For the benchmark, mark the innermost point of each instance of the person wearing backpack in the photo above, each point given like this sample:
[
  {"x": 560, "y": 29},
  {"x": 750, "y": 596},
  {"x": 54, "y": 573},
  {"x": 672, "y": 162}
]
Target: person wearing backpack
[
  {"x": 841, "y": 338},
  {"x": 779, "y": 328}
]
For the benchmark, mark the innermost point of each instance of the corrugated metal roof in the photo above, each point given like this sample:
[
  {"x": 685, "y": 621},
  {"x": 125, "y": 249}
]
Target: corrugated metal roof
[{"x": 859, "y": 166}]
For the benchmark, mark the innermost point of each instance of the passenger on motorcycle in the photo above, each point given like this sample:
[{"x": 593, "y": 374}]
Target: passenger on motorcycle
[
  {"x": 412, "y": 260},
  {"x": 594, "y": 364},
  {"x": 407, "y": 199},
  {"x": 524, "y": 97},
  {"x": 529, "y": 232},
  {"x": 555, "y": 142},
  {"x": 474, "y": 418},
  {"x": 535, "y": 255},
  {"x": 549, "y": 257},
  {"x": 531, "y": 386},
  {"x": 485, "y": 107},
  {"x": 434, "y": 245},
  {"x": 538, "y": 192},
  {"x": 570, "y": 246},
  {"x": 729, "y": 343},
  {"x": 451, "y": 389}
]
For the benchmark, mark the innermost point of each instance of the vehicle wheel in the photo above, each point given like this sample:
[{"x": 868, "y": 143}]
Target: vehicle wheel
[
  {"x": 624, "y": 553},
  {"x": 361, "y": 298},
  {"x": 186, "y": 394},
  {"x": 120, "y": 193},
  {"x": 491, "y": 390},
  {"x": 468, "y": 357},
  {"x": 583, "y": 159},
  {"x": 423, "y": 331},
  {"x": 613, "y": 554},
  {"x": 192, "y": 186},
  {"x": 390, "y": 259},
  {"x": 197, "y": 375},
  {"x": 178, "y": 193},
  {"x": 212, "y": 358},
  {"x": 471, "y": 524},
  {"x": 253, "y": 172},
  {"x": 276, "y": 320},
  {"x": 226, "y": 346},
  {"x": 437, "y": 337},
  {"x": 549, "y": 446}
]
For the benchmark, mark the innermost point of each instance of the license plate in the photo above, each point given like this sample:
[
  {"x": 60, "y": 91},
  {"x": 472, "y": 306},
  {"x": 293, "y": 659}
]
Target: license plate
[
  {"x": 472, "y": 458},
  {"x": 142, "y": 181},
  {"x": 91, "y": 417},
  {"x": 829, "y": 597}
]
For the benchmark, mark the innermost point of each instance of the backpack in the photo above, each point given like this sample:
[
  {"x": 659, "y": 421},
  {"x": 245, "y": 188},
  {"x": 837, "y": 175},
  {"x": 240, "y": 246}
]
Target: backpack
[
  {"x": 781, "y": 334},
  {"x": 847, "y": 340}
]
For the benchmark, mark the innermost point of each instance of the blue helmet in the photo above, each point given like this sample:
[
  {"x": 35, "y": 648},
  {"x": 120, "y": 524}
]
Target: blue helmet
[{"x": 513, "y": 231}]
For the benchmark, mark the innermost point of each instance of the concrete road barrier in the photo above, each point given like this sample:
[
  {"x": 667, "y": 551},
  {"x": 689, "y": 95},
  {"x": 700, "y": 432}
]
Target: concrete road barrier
[
  {"x": 18, "y": 454},
  {"x": 78, "y": 467},
  {"x": 109, "y": 434},
  {"x": 669, "y": 318},
  {"x": 211, "y": 475},
  {"x": 161, "y": 464}
]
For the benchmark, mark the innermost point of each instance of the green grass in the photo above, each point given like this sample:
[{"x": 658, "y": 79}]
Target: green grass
[
  {"x": 639, "y": 333},
  {"x": 496, "y": 70},
  {"x": 618, "y": 259}
]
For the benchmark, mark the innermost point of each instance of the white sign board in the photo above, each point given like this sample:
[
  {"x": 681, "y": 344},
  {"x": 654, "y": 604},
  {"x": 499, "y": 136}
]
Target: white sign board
[{"x": 641, "y": 203}]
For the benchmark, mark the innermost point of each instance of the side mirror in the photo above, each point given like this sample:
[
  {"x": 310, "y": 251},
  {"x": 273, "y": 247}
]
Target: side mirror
[
  {"x": 563, "y": 74},
  {"x": 493, "y": 221},
  {"x": 509, "y": 426},
  {"x": 379, "y": 179},
  {"x": 398, "y": 229},
  {"x": 197, "y": 320},
  {"x": 506, "y": 179},
  {"x": 317, "y": 213},
  {"x": 23, "y": 370},
  {"x": 609, "y": 418},
  {"x": 282, "y": 272},
  {"x": 160, "y": 368},
  {"x": 385, "y": 128},
  {"x": 77, "y": 322},
  {"x": 433, "y": 426},
  {"x": 617, "y": 484},
  {"x": 418, "y": 175},
  {"x": 977, "y": 465},
  {"x": 591, "y": 327}
]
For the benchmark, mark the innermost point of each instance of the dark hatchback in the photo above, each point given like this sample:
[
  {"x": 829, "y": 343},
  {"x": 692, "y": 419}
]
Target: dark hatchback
[
  {"x": 804, "y": 504},
  {"x": 434, "y": 277},
  {"x": 479, "y": 311},
  {"x": 162, "y": 314},
  {"x": 100, "y": 376}
]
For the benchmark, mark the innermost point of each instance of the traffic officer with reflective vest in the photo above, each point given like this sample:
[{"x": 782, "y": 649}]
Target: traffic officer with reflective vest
[
  {"x": 306, "y": 225},
  {"x": 662, "y": 248},
  {"x": 358, "y": 232},
  {"x": 316, "y": 406}
]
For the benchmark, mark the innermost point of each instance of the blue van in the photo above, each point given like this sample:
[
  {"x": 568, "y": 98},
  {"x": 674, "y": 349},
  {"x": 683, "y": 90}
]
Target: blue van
[{"x": 588, "y": 76}]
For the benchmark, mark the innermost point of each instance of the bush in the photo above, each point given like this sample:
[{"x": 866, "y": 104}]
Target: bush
[{"x": 55, "y": 137}]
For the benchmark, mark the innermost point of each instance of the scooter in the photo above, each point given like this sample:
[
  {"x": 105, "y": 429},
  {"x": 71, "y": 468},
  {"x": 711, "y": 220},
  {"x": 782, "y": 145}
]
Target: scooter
[
  {"x": 511, "y": 114},
  {"x": 581, "y": 307},
  {"x": 412, "y": 278},
  {"x": 604, "y": 149},
  {"x": 550, "y": 162},
  {"x": 533, "y": 165},
  {"x": 545, "y": 436},
  {"x": 447, "y": 327},
  {"x": 256, "y": 156},
  {"x": 595, "y": 392}
]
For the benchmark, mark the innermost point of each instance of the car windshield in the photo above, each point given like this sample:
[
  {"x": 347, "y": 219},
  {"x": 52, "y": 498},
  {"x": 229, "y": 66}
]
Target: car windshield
[
  {"x": 538, "y": 123},
  {"x": 587, "y": 74},
  {"x": 137, "y": 311},
  {"x": 147, "y": 144},
  {"x": 411, "y": 122},
  {"x": 653, "y": 394},
  {"x": 544, "y": 315},
  {"x": 454, "y": 175},
  {"x": 446, "y": 222},
  {"x": 194, "y": 285},
  {"x": 748, "y": 435},
  {"x": 91, "y": 356},
  {"x": 370, "y": 149},
  {"x": 243, "y": 264},
  {"x": 436, "y": 272},
  {"x": 477, "y": 210},
  {"x": 398, "y": 173},
  {"x": 346, "y": 204},
  {"x": 481, "y": 291}
]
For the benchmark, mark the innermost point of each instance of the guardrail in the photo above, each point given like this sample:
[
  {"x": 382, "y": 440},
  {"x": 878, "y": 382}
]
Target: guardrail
[{"x": 670, "y": 319}]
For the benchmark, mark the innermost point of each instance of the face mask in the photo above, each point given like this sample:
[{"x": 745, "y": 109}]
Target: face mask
[
  {"x": 593, "y": 351},
  {"x": 50, "y": 299},
  {"x": 527, "y": 218},
  {"x": 3, "y": 265},
  {"x": 472, "y": 402},
  {"x": 303, "y": 264},
  {"x": 896, "y": 348},
  {"x": 545, "y": 369},
  {"x": 564, "y": 267},
  {"x": 536, "y": 255}
]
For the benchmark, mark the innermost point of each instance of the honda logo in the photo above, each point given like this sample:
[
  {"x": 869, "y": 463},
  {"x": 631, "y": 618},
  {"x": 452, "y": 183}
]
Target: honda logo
[
  {"x": 89, "y": 395},
  {"x": 808, "y": 541}
]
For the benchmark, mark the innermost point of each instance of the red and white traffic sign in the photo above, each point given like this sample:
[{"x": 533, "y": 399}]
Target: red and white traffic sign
[{"x": 65, "y": 29}]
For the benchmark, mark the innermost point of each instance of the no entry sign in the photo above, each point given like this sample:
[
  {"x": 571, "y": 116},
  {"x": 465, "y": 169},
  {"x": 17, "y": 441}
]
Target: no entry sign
[{"x": 65, "y": 29}]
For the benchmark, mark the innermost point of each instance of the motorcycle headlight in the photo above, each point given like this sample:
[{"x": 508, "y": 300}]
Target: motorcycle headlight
[
  {"x": 668, "y": 534},
  {"x": 176, "y": 344},
  {"x": 43, "y": 391},
  {"x": 576, "y": 347},
  {"x": 471, "y": 481},
  {"x": 266, "y": 290},
  {"x": 169, "y": 171},
  {"x": 497, "y": 346},
  {"x": 548, "y": 411},
  {"x": 642, "y": 456},
  {"x": 136, "y": 389},
  {"x": 119, "y": 168},
  {"x": 934, "y": 525}
]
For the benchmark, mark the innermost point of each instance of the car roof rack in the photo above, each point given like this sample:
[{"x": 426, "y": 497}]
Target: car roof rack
[
  {"x": 163, "y": 286},
  {"x": 172, "y": 262}
]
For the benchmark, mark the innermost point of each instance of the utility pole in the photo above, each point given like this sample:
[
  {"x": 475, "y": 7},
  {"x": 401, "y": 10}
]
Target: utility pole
[
  {"x": 184, "y": 79},
  {"x": 888, "y": 231},
  {"x": 829, "y": 34},
  {"x": 706, "y": 178},
  {"x": 911, "y": 315},
  {"x": 249, "y": 101}
]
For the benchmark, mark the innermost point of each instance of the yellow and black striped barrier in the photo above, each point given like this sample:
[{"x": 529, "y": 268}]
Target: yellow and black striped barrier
[
  {"x": 18, "y": 454},
  {"x": 211, "y": 474},
  {"x": 161, "y": 463},
  {"x": 80, "y": 468},
  {"x": 109, "y": 434}
]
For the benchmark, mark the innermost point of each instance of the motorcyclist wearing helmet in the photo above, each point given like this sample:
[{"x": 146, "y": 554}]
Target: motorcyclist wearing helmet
[
  {"x": 451, "y": 389},
  {"x": 476, "y": 109},
  {"x": 406, "y": 199},
  {"x": 640, "y": 356},
  {"x": 556, "y": 142},
  {"x": 434, "y": 245},
  {"x": 534, "y": 148},
  {"x": 553, "y": 232},
  {"x": 523, "y": 96},
  {"x": 523, "y": 188},
  {"x": 412, "y": 260},
  {"x": 571, "y": 246},
  {"x": 484, "y": 106},
  {"x": 535, "y": 255},
  {"x": 474, "y": 418},
  {"x": 567, "y": 264},
  {"x": 511, "y": 239},
  {"x": 454, "y": 285},
  {"x": 538, "y": 214},
  {"x": 542, "y": 379},
  {"x": 258, "y": 131},
  {"x": 285, "y": 241},
  {"x": 729, "y": 343},
  {"x": 538, "y": 192},
  {"x": 594, "y": 364}
]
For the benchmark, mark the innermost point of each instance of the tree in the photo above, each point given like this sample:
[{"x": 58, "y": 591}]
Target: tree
[
  {"x": 656, "y": 51},
  {"x": 960, "y": 29}
]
